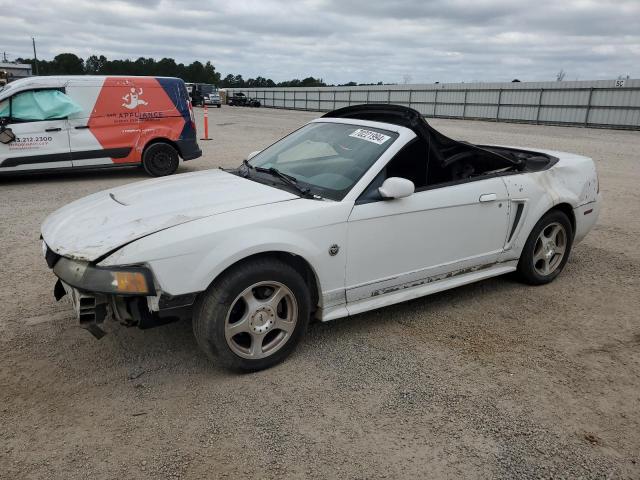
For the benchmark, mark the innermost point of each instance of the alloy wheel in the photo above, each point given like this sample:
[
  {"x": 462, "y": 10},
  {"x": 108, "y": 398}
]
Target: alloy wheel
[
  {"x": 261, "y": 320},
  {"x": 549, "y": 249}
]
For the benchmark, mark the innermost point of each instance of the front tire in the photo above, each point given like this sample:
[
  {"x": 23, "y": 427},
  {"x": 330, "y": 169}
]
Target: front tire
[
  {"x": 253, "y": 316},
  {"x": 547, "y": 249},
  {"x": 160, "y": 159}
]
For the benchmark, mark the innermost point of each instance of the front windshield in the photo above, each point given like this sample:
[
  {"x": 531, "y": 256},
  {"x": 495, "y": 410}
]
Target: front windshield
[{"x": 328, "y": 158}]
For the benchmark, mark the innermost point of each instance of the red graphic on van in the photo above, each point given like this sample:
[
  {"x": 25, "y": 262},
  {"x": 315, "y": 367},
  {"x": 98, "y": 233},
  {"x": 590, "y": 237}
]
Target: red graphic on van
[{"x": 130, "y": 112}]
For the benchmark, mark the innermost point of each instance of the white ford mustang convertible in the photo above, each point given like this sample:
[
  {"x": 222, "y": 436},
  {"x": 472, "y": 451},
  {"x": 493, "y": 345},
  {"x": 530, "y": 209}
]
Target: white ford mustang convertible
[{"x": 364, "y": 207}]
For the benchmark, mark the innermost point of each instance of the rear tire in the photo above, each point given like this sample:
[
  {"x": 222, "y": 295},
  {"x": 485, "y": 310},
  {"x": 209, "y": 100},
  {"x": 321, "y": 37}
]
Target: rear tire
[
  {"x": 253, "y": 316},
  {"x": 547, "y": 249},
  {"x": 160, "y": 159}
]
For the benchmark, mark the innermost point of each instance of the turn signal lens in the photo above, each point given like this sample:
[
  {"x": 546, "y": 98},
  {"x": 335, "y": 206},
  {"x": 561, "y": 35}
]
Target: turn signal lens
[
  {"x": 130, "y": 282},
  {"x": 133, "y": 280}
]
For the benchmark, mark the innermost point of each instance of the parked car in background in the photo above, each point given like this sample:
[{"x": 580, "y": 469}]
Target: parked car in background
[
  {"x": 363, "y": 208},
  {"x": 199, "y": 93},
  {"x": 213, "y": 99},
  {"x": 238, "y": 99},
  {"x": 96, "y": 121}
]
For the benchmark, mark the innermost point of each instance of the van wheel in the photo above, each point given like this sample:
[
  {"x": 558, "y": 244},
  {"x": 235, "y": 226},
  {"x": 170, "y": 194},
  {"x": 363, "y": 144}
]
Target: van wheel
[
  {"x": 253, "y": 316},
  {"x": 160, "y": 159}
]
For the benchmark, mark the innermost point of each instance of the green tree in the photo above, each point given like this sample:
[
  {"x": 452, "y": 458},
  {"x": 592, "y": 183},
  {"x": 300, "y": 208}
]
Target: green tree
[
  {"x": 144, "y": 66},
  {"x": 210, "y": 74},
  {"x": 195, "y": 72},
  {"x": 67, "y": 64},
  {"x": 95, "y": 65},
  {"x": 167, "y": 67}
]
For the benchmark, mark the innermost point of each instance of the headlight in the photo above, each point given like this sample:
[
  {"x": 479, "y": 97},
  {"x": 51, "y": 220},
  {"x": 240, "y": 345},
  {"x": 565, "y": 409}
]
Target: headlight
[{"x": 110, "y": 280}]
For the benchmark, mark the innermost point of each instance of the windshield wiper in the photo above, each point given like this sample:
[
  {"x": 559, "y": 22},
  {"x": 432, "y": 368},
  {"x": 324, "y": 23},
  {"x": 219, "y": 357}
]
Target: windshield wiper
[
  {"x": 288, "y": 179},
  {"x": 248, "y": 166}
]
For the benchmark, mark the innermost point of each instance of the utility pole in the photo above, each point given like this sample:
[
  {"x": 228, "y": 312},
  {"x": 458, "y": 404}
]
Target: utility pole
[
  {"x": 35, "y": 56},
  {"x": 4, "y": 57}
]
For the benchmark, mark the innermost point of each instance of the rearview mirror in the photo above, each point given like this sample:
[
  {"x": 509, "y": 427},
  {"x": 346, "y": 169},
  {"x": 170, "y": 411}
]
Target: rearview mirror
[
  {"x": 253, "y": 154},
  {"x": 396, "y": 187},
  {"x": 6, "y": 135}
]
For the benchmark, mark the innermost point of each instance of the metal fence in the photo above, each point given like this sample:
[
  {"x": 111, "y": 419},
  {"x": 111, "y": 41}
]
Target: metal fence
[{"x": 605, "y": 104}]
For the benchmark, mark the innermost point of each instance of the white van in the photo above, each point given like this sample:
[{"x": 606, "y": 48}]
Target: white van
[{"x": 96, "y": 121}]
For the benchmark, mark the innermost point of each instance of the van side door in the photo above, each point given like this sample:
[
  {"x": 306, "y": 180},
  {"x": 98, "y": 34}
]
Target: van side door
[{"x": 38, "y": 119}]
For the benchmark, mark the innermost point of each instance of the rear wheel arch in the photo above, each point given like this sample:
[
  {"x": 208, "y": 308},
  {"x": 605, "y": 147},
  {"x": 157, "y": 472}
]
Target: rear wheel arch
[
  {"x": 568, "y": 211},
  {"x": 160, "y": 140},
  {"x": 536, "y": 215}
]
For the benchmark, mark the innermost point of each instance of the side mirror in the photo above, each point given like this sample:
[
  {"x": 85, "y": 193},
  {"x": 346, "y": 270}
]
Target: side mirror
[
  {"x": 396, "y": 187},
  {"x": 6, "y": 135},
  {"x": 253, "y": 154}
]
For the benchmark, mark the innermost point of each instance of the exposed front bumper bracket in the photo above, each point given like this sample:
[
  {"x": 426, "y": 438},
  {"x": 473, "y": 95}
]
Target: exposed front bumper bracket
[{"x": 91, "y": 309}]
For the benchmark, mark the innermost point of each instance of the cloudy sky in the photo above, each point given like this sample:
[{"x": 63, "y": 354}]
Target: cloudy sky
[{"x": 344, "y": 40}]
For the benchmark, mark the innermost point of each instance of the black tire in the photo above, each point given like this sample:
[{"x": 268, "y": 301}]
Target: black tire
[
  {"x": 217, "y": 304},
  {"x": 219, "y": 106},
  {"x": 160, "y": 159},
  {"x": 529, "y": 268}
]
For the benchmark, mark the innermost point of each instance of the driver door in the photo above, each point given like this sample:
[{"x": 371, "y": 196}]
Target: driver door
[
  {"x": 39, "y": 144},
  {"x": 432, "y": 234}
]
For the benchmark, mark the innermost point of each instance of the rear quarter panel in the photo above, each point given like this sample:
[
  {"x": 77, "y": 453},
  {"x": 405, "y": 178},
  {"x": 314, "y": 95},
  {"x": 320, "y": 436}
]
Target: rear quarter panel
[{"x": 572, "y": 180}]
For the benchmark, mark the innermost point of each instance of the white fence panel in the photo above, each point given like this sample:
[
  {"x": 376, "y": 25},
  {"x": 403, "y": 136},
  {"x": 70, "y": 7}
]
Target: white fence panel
[{"x": 601, "y": 103}]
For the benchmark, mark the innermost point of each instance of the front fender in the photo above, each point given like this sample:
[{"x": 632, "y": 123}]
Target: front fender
[
  {"x": 230, "y": 250},
  {"x": 187, "y": 258}
]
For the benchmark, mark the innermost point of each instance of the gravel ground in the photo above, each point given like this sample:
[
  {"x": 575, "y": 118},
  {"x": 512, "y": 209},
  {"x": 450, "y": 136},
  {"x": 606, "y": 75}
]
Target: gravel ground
[{"x": 494, "y": 379}]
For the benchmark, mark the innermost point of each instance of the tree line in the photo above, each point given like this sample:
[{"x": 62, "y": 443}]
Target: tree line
[
  {"x": 196, "y": 72},
  {"x": 71, "y": 64}
]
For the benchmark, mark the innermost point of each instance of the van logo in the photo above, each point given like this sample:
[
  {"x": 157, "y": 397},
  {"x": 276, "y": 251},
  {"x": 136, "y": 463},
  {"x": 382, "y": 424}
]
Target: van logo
[{"x": 133, "y": 99}]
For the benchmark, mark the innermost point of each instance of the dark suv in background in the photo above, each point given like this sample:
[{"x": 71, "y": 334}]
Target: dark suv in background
[{"x": 241, "y": 100}]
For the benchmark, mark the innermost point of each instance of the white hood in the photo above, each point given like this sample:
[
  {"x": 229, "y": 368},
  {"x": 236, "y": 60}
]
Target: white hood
[{"x": 95, "y": 225}]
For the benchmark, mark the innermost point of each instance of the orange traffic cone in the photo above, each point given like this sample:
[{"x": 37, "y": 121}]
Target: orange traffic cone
[{"x": 206, "y": 123}]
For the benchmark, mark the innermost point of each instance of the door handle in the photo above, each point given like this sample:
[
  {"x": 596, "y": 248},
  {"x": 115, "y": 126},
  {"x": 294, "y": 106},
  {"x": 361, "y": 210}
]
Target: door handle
[
  {"x": 81, "y": 127},
  {"x": 53, "y": 129},
  {"x": 488, "y": 197}
]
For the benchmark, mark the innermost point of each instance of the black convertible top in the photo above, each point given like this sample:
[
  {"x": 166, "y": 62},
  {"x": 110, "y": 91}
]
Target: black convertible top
[{"x": 444, "y": 149}]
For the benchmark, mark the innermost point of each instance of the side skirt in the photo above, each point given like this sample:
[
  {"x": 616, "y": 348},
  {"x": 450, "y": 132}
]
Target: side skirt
[
  {"x": 70, "y": 169},
  {"x": 426, "y": 288}
]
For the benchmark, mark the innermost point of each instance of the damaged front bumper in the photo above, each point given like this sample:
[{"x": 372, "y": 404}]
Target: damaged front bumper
[{"x": 124, "y": 294}]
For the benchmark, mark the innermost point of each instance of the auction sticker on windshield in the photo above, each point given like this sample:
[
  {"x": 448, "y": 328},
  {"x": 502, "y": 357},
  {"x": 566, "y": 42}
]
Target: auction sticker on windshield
[{"x": 370, "y": 136}]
